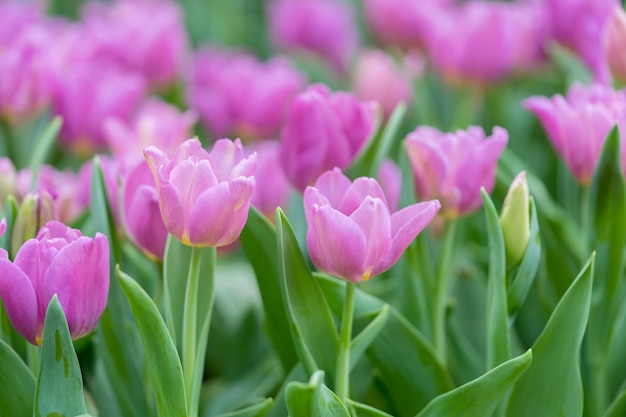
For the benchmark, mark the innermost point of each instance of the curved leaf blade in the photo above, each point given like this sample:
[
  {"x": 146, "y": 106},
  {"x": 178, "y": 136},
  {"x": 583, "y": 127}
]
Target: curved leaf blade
[
  {"x": 17, "y": 384},
  {"x": 313, "y": 399}
]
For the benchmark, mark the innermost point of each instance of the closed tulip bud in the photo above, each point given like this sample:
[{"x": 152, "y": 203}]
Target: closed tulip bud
[
  {"x": 204, "y": 197},
  {"x": 515, "y": 219},
  {"x": 61, "y": 261},
  {"x": 36, "y": 209},
  {"x": 351, "y": 232}
]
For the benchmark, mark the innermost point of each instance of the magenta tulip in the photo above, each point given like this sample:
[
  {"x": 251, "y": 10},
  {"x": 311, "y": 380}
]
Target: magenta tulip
[
  {"x": 141, "y": 212},
  {"x": 453, "y": 167},
  {"x": 59, "y": 261},
  {"x": 272, "y": 188},
  {"x": 578, "y": 124},
  {"x": 323, "y": 130},
  {"x": 204, "y": 197},
  {"x": 614, "y": 42},
  {"x": 351, "y": 232}
]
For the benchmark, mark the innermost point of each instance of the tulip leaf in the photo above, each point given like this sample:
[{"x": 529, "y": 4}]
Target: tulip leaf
[
  {"x": 552, "y": 386},
  {"x": 607, "y": 221},
  {"x": 17, "y": 384},
  {"x": 280, "y": 406},
  {"x": 525, "y": 275},
  {"x": 257, "y": 410},
  {"x": 312, "y": 326},
  {"x": 379, "y": 145},
  {"x": 363, "y": 410},
  {"x": 569, "y": 63},
  {"x": 42, "y": 148},
  {"x": 59, "y": 389},
  {"x": 498, "y": 346},
  {"x": 481, "y": 396},
  {"x": 161, "y": 356},
  {"x": 313, "y": 399},
  {"x": 618, "y": 407},
  {"x": 258, "y": 240},
  {"x": 364, "y": 339},
  {"x": 116, "y": 346},
  {"x": 10, "y": 214},
  {"x": 400, "y": 352}
]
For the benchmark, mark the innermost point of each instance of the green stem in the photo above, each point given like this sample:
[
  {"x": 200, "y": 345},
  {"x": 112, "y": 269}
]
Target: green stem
[
  {"x": 32, "y": 358},
  {"x": 342, "y": 385},
  {"x": 5, "y": 130},
  {"x": 442, "y": 287},
  {"x": 189, "y": 324}
]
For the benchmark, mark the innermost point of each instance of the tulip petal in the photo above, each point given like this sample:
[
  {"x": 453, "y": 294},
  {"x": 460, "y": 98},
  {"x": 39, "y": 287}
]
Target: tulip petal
[
  {"x": 336, "y": 244},
  {"x": 19, "y": 300},
  {"x": 373, "y": 218},
  {"x": 79, "y": 275},
  {"x": 356, "y": 193},
  {"x": 406, "y": 224},
  {"x": 171, "y": 209},
  {"x": 33, "y": 259},
  {"x": 142, "y": 218},
  {"x": 333, "y": 185},
  {"x": 189, "y": 148},
  {"x": 224, "y": 156}
]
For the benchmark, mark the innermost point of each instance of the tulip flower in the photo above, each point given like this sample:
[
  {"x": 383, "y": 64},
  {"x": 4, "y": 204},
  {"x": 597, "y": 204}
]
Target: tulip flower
[
  {"x": 453, "y": 167},
  {"x": 614, "y": 42},
  {"x": 323, "y": 130},
  {"x": 272, "y": 188},
  {"x": 351, "y": 232},
  {"x": 578, "y": 124},
  {"x": 60, "y": 260},
  {"x": 36, "y": 209},
  {"x": 204, "y": 197},
  {"x": 515, "y": 219},
  {"x": 141, "y": 212}
]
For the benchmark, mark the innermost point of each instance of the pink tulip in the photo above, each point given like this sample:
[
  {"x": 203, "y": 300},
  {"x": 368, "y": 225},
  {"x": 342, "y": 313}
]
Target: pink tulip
[
  {"x": 351, "y": 232},
  {"x": 272, "y": 188},
  {"x": 324, "y": 27},
  {"x": 220, "y": 79},
  {"x": 453, "y": 167},
  {"x": 59, "y": 261},
  {"x": 141, "y": 212},
  {"x": 390, "y": 180},
  {"x": 15, "y": 16},
  {"x": 156, "y": 123},
  {"x": 614, "y": 42},
  {"x": 323, "y": 130},
  {"x": 157, "y": 50},
  {"x": 578, "y": 124},
  {"x": 204, "y": 197},
  {"x": 110, "y": 171}
]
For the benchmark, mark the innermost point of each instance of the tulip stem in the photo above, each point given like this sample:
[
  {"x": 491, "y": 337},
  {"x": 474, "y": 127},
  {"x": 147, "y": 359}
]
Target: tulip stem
[
  {"x": 442, "y": 287},
  {"x": 343, "y": 358},
  {"x": 5, "y": 131},
  {"x": 189, "y": 325},
  {"x": 32, "y": 358}
]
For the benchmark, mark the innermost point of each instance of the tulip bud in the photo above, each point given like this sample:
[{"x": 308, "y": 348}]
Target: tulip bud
[
  {"x": 36, "y": 209},
  {"x": 515, "y": 219},
  {"x": 614, "y": 43}
]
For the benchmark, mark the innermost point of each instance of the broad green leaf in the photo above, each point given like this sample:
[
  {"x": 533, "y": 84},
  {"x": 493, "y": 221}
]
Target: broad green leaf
[
  {"x": 17, "y": 384},
  {"x": 296, "y": 374},
  {"x": 363, "y": 410},
  {"x": 313, "y": 399},
  {"x": 59, "y": 388},
  {"x": 364, "y": 339},
  {"x": 312, "y": 326},
  {"x": 480, "y": 397},
  {"x": 43, "y": 146},
  {"x": 161, "y": 355},
  {"x": 368, "y": 161},
  {"x": 257, "y": 410},
  {"x": 524, "y": 276},
  {"x": 607, "y": 221},
  {"x": 618, "y": 407},
  {"x": 116, "y": 347},
  {"x": 400, "y": 352},
  {"x": 552, "y": 386},
  {"x": 498, "y": 345},
  {"x": 258, "y": 240}
]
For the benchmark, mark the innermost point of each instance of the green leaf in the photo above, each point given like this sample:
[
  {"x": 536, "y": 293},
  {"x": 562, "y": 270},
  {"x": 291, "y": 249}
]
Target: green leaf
[
  {"x": 17, "y": 384},
  {"x": 481, "y": 396},
  {"x": 368, "y": 161},
  {"x": 258, "y": 240},
  {"x": 10, "y": 214},
  {"x": 59, "y": 388},
  {"x": 115, "y": 345},
  {"x": 364, "y": 339},
  {"x": 313, "y": 399},
  {"x": 363, "y": 410},
  {"x": 257, "y": 410},
  {"x": 552, "y": 386},
  {"x": 498, "y": 346},
  {"x": 296, "y": 374},
  {"x": 161, "y": 356},
  {"x": 525, "y": 275},
  {"x": 400, "y": 352},
  {"x": 569, "y": 64},
  {"x": 43, "y": 146},
  {"x": 312, "y": 326},
  {"x": 618, "y": 407}
]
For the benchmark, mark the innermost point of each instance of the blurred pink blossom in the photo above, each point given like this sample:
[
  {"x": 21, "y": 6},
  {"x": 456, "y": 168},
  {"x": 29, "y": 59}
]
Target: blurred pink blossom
[
  {"x": 323, "y": 27},
  {"x": 236, "y": 94},
  {"x": 272, "y": 188},
  {"x": 614, "y": 43}
]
